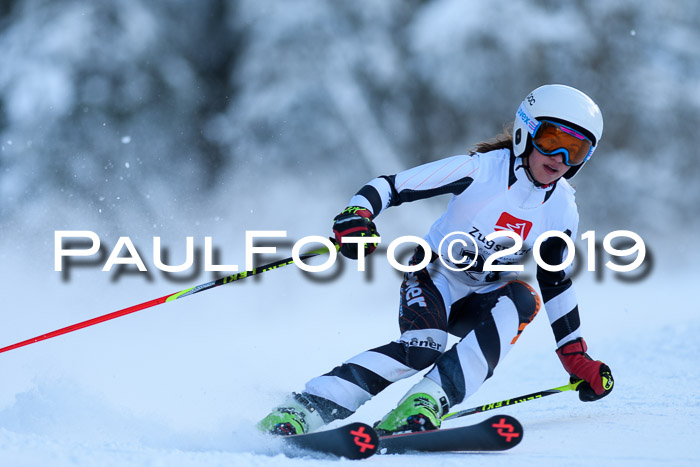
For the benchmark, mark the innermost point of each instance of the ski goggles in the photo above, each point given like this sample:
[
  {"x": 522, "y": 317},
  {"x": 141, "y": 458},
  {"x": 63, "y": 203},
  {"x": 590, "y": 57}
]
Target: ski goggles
[{"x": 554, "y": 138}]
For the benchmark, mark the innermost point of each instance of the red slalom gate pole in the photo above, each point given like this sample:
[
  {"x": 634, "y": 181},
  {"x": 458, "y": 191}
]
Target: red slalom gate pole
[{"x": 164, "y": 299}]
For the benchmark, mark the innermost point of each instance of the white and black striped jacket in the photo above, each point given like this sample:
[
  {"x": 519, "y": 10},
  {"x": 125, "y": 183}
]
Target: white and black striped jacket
[{"x": 491, "y": 191}]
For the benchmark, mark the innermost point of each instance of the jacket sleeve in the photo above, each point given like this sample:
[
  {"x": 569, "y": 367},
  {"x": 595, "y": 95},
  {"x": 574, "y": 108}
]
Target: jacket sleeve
[
  {"x": 558, "y": 292},
  {"x": 451, "y": 175}
]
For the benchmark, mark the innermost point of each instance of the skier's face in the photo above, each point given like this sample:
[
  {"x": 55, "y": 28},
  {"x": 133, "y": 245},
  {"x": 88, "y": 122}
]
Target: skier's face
[{"x": 546, "y": 169}]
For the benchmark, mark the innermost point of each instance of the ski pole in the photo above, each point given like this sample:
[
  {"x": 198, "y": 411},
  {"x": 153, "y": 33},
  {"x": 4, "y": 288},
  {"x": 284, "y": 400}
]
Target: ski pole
[
  {"x": 513, "y": 401},
  {"x": 168, "y": 298}
]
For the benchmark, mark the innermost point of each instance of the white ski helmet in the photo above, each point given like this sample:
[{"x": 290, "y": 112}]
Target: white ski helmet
[{"x": 560, "y": 104}]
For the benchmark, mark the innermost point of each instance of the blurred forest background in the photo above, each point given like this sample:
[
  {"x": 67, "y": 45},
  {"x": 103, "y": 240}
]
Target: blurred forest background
[{"x": 115, "y": 112}]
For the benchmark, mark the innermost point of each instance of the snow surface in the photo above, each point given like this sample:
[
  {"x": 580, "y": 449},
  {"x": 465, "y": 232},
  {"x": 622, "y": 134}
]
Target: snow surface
[
  {"x": 184, "y": 383},
  {"x": 112, "y": 120}
]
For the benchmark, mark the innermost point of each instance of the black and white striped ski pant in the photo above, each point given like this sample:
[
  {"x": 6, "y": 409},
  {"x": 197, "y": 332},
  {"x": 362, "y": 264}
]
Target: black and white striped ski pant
[{"x": 433, "y": 302}]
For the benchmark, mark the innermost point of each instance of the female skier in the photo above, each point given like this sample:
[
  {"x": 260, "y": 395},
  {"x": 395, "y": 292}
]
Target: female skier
[{"x": 514, "y": 182}]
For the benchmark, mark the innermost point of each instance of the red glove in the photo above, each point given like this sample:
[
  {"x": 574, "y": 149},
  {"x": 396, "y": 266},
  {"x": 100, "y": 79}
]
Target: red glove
[
  {"x": 597, "y": 378},
  {"x": 354, "y": 221}
]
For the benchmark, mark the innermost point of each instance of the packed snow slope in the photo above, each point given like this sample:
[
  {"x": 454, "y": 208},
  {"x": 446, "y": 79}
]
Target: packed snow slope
[{"x": 183, "y": 383}]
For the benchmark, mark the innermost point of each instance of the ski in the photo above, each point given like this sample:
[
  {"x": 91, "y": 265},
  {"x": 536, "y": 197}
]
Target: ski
[
  {"x": 352, "y": 441},
  {"x": 495, "y": 434}
]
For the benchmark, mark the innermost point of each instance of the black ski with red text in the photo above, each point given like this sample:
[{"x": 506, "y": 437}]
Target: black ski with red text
[
  {"x": 497, "y": 433},
  {"x": 352, "y": 441}
]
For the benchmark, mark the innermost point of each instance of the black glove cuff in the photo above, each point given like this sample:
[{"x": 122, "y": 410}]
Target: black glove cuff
[{"x": 574, "y": 347}]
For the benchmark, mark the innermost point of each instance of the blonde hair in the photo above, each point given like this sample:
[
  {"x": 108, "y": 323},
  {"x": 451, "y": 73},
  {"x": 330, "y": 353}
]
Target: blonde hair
[{"x": 502, "y": 141}]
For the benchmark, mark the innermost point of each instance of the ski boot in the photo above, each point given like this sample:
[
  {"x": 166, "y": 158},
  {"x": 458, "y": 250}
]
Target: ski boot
[
  {"x": 294, "y": 417},
  {"x": 417, "y": 411}
]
